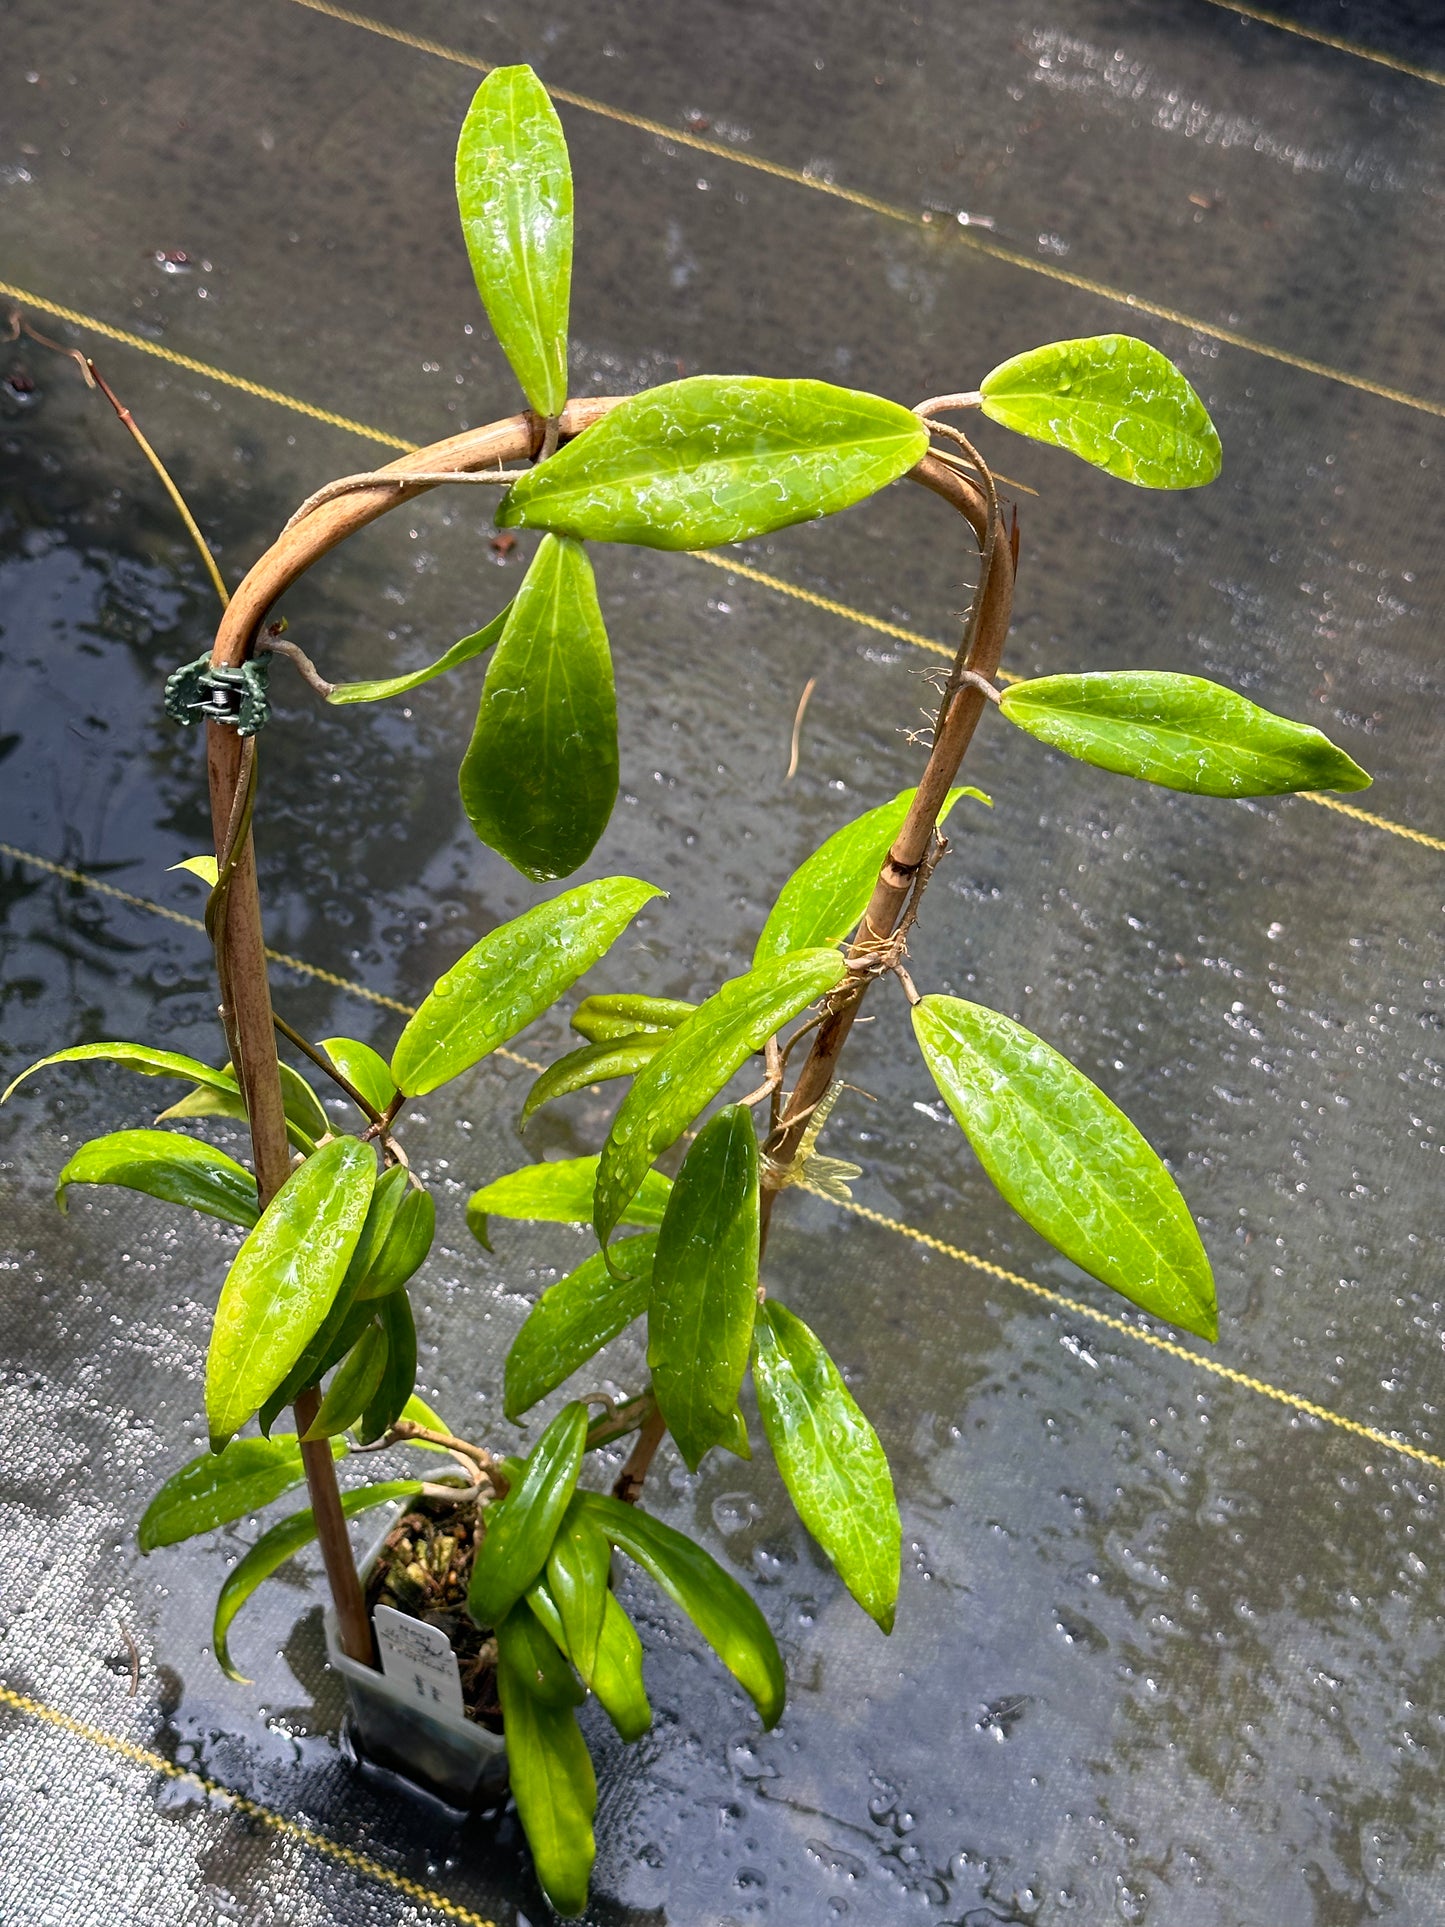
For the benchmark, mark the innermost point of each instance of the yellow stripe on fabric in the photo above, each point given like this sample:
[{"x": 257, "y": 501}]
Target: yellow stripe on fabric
[
  {"x": 1332, "y": 40},
  {"x": 1375, "y": 822},
  {"x": 966, "y": 237},
  {"x": 344, "y": 1856},
  {"x": 1045, "y": 1292},
  {"x": 298, "y": 964},
  {"x": 1153, "y": 1340},
  {"x": 710, "y": 556},
  {"x": 194, "y": 367}
]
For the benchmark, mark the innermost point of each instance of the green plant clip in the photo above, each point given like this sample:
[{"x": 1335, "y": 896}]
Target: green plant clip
[{"x": 235, "y": 696}]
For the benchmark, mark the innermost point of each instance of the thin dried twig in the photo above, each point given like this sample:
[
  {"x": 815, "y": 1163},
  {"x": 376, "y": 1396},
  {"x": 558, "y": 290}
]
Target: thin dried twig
[
  {"x": 380, "y": 478},
  {"x": 808, "y": 687},
  {"x": 133, "y": 1653}
]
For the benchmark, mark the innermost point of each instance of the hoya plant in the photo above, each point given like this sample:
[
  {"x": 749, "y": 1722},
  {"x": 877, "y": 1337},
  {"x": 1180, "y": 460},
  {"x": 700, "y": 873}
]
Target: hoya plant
[{"x": 314, "y": 1312}]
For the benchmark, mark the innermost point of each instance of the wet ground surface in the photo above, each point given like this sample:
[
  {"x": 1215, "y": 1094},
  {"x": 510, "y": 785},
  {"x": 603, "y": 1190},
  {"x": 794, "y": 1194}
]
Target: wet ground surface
[{"x": 1166, "y": 1652}]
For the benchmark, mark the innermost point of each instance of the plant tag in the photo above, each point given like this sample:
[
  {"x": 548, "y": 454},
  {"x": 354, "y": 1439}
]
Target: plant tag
[{"x": 419, "y": 1659}]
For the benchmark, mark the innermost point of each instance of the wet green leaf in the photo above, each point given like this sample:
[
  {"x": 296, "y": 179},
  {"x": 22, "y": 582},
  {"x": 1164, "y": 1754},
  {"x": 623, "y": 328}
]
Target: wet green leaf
[
  {"x": 617, "y": 1673},
  {"x": 578, "y": 1569},
  {"x": 135, "y": 1057},
  {"x": 579, "y": 1070},
  {"x": 283, "y": 1280},
  {"x": 539, "y": 778},
  {"x": 717, "y": 458},
  {"x": 823, "y": 900},
  {"x": 354, "y": 1385},
  {"x": 221, "y": 1096},
  {"x": 378, "y": 690},
  {"x": 1113, "y": 401},
  {"x": 220, "y": 1487},
  {"x": 168, "y": 1165},
  {"x": 521, "y": 1528},
  {"x": 574, "y": 1319},
  {"x": 559, "y": 1192},
  {"x": 610, "y": 1017},
  {"x": 278, "y": 1545},
  {"x": 617, "y": 1676},
  {"x": 551, "y": 1770},
  {"x": 204, "y": 867},
  {"x": 715, "y": 1603},
  {"x": 363, "y": 1067},
  {"x": 339, "y": 1331},
  {"x": 705, "y": 1285},
  {"x": 1068, "y": 1161},
  {"x": 514, "y": 194},
  {"x": 834, "y": 1468},
  {"x": 351, "y": 1309},
  {"x": 1181, "y": 732},
  {"x": 408, "y": 1241},
  {"x": 510, "y": 978},
  {"x": 697, "y": 1060},
  {"x": 394, "y": 1392}
]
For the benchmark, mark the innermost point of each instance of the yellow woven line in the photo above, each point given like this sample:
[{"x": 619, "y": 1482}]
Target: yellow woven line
[
  {"x": 1375, "y": 822},
  {"x": 711, "y": 557},
  {"x": 297, "y": 964},
  {"x": 1332, "y": 40},
  {"x": 1081, "y": 1310},
  {"x": 968, "y": 238},
  {"x": 361, "y": 1863},
  {"x": 188, "y": 362}
]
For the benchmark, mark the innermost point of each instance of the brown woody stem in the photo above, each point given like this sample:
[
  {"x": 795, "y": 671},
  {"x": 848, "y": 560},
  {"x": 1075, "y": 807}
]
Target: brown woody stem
[{"x": 963, "y": 703}]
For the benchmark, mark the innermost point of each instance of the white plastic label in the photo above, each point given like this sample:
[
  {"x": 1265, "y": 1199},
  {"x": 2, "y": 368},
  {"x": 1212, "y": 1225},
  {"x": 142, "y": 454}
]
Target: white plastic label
[{"x": 419, "y": 1659}]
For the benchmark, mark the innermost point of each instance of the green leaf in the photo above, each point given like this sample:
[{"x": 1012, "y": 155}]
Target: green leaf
[
  {"x": 559, "y": 1192},
  {"x": 283, "y": 1279},
  {"x": 363, "y": 1067},
  {"x": 341, "y": 1329},
  {"x": 617, "y": 1674},
  {"x": 539, "y": 778},
  {"x": 697, "y": 1060},
  {"x": 834, "y": 1468},
  {"x": 514, "y": 194},
  {"x": 705, "y": 1285},
  {"x": 350, "y": 1311},
  {"x": 511, "y": 977},
  {"x": 823, "y": 900},
  {"x": 521, "y": 1528},
  {"x": 611, "y": 1016},
  {"x": 1181, "y": 732},
  {"x": 408, "y": 1241},
  {"x": 460, "y": 652},
  {"x": 1068, "y": 1161},
  {"x": 220, "y": 1096},
  {"x": 579, "y": 1070},
  {"x": 551, "y": 1770},
  {"x": 204, "y": 867},
  {"x": 221, "y": 1487},
  {"x": 278, "y": 1545},
  {"x": 394, "y": 1391},
  {"x": 355, "y": 1383},
  {"x": 135, "y": 1057},
  {"x": 578, "y": 1569},
  {"x": 715, "y": 1603},
  {"x": 168, "y": 1165},
  {"x": 717, "y": 458},
  {"x": 1112, "y": 401},
  {"x": 574, "y": 1319}
]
